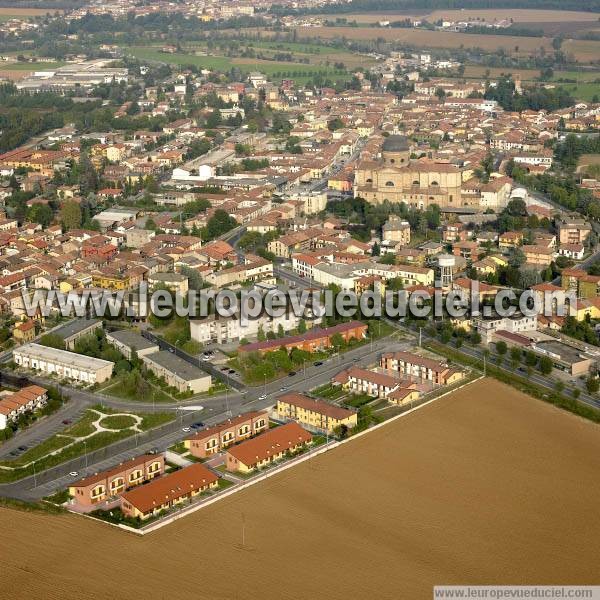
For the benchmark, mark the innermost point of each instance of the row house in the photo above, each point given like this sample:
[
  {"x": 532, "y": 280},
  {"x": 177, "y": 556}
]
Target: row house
[
  {"x": 212, "y": 440},
  {"x": 27, "y": 399},
  {"x": 96, "y": 488},
  {"x": 414, "y": 367}
]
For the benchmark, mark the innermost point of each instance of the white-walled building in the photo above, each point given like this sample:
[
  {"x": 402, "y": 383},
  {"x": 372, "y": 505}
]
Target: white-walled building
[{"x": 63, "y": 364}]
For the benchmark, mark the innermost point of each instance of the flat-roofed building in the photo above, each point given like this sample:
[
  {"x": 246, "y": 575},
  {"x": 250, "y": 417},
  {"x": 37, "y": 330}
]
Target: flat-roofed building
[
  {"x": 213, "y": 439},
  {"x": 77, "y": 329},
  {"x": 166, "y": 492},
  {"x": 63, "y": 364},
  {"x": 126, "y": 342},
  {"x": 313, "y": 413},
  {"x": 264, "y": 449},
  {"x": 113, "y": 482},
  {"x": 177, "y": 372}
]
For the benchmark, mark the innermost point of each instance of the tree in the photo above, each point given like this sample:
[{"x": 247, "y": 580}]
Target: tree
[
  {"x": 592, "y": 384},
  {"x": 515, "y": 356},
  {"x": 530, "y": 358},
  {"x": 501, "y": 348},
  {"x": 335, "y": 124},
  {"x": 70, "y": 215},
  {"x": 546, "y": 365},
  {"x": 261, "y": 334},
  {"x": 337, "y": 341},
  {"x": 219, "y": 224},
  {"x": 301, "y": 326},
  {"x": 280, "y": 331},
  {"x": 475, "y": 338},
  {"x": 52, "y": 340},
  {"x": 40, "y": 213}
]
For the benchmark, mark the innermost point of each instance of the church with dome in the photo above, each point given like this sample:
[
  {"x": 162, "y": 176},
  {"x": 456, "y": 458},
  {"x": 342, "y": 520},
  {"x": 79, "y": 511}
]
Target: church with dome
[{"x": 395, "y": 177}]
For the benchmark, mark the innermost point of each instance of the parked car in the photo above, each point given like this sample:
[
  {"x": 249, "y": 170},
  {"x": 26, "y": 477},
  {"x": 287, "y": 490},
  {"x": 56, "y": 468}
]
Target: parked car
[
  {"x": 231, "y": 372},
  {"x": 22, "y": 448},
  {"x": 282, "y": 389},
  {"x": 318, "y": 363},
  {"x": 154, "y": 450},
  {"x": 185, "y": 429},
  {"x": 74, "y": 474},
  {"x": 291, "y": 373},
  {"x": 262, "y": 397},
  {"x": 224, "y": 369},
  {"x": 67, "y": 422},
  {"x": 198, "y": 425}
]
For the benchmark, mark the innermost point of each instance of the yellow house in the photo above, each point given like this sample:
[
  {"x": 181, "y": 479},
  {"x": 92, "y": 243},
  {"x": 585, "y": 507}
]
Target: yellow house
[{"x": 313, "y": 413}]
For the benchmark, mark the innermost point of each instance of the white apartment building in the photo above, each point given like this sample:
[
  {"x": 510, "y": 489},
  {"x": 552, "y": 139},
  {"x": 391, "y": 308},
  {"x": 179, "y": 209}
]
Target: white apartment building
[
  {"x": 63, "y": 364},
  {"x": 515, "y": 324}
]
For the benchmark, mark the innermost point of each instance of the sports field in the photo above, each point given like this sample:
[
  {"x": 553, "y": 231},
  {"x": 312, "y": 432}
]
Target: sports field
[{"x": 486, "y": 485}]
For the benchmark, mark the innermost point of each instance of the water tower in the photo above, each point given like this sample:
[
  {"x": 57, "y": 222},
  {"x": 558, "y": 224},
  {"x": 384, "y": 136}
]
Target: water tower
[{"x": 446, "y": 263}]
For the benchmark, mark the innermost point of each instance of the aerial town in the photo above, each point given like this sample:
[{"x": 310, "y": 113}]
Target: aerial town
[{"x": 300, "y": 150}]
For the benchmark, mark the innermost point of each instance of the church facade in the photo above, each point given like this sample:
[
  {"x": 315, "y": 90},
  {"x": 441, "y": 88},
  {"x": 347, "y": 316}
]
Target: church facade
[{"x": 397, "y": 178}]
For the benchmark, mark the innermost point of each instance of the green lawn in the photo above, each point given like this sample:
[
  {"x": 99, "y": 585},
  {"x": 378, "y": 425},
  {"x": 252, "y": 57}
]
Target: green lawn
[
  {"x": 276, "y": 70},
  {"x": 358, "y": 400},
  {"x": 27, "y": 66},
  {"x": 582, "y": 91},
  {"x": 40, "y": 454},
  {"x": 118, "y": 422}
]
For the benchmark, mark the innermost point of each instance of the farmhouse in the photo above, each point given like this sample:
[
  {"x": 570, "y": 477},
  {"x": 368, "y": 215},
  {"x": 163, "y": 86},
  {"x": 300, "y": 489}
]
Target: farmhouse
[
  {"x": 313, "y": 413},
  {"x": 264, "y": 449},
  {"x": 168, "y": 491}
]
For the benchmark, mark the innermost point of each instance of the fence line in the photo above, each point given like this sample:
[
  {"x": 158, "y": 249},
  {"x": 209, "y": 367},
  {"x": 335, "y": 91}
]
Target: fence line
[{"x": 287, "y": 465}]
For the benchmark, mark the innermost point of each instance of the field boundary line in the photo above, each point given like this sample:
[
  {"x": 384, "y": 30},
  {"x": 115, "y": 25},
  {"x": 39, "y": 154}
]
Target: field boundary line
[{"x": 184, "y": 512}]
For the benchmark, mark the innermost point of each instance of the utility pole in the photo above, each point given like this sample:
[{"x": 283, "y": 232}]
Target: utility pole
[
  {"x": 419, "y": 337},
  {"x": 34, "y": 476}
]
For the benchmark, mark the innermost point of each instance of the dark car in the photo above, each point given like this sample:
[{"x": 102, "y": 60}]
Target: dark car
[
  {"x": 291, "y": 373},
  {"x": 224, "y": 368},
  {"x": 14, "y": 453},
  {"x": 197, "y": 425},
  {"x": 231, "y": 372},
  {"x": 67, "y": 422},
  {"x": 22, "y": 448},
  {"x": 318, "y": 363}
]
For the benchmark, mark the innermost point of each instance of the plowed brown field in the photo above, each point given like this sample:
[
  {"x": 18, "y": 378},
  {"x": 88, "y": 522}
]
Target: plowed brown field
[{"x": 484, "y": 486}]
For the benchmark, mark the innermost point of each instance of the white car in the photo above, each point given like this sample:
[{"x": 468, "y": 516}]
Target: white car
[
  {"x": 74, "y": 474},
  {"x": 186, "y": 430},
  {"x": 262, "y": 397}
]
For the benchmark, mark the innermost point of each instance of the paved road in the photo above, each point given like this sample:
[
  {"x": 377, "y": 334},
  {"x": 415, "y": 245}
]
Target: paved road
[{"x": 214, "y": 410}]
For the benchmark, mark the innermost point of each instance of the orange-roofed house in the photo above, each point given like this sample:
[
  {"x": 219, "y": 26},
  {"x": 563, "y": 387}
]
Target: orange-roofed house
[
  {"x": 149, "y": 500},
  {"x": 313, "y": 413},
  {"x": 264, "y": 449}
]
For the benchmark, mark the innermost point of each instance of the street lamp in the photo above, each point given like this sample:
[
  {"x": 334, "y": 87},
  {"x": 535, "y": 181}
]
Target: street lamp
[{"x": 85, "y": 451}]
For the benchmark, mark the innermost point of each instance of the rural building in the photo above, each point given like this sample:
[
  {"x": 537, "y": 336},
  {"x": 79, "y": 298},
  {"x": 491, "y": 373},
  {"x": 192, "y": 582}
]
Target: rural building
[
  {"x": 312, "y": 341},
  {"x": 126, "y": 341},
  {"x": 107, "y": 484},
  {"x": 313, "y": 413},
  {"x": 214, "y": 439},
  {"x": 63, "y": 364},
  {"x": 166, "y": 492},
  {"x": 177, "y": 372},
  {"x": 264, "y": 449},
  {"x": 27, "y": 399},
  {"x": 415, "y": 367}
]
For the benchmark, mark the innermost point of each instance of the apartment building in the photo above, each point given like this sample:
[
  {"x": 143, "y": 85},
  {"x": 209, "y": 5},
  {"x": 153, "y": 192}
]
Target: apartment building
[
  {"x": 63, "y": 364},
  {"x": 396, "y": 229},
  {"x": 27, "y": 399},
  {"x": 177, "y": 372},
  {"x": 538, "y": 255},
  {"x": 264, "y": 449},
  {"x": 110, "y": 483},
  {"x": 218, "y": 437},
  {"x": 573, "y": 231},
  {"x": 313, "y": 413},
  {"x": 77, "y": 329},
  {"x": 166, "y": 492},
  {"x": 518, "y": 323},
  {"x": 418, "y": 368},
  {"x": 126, "y": 342}
]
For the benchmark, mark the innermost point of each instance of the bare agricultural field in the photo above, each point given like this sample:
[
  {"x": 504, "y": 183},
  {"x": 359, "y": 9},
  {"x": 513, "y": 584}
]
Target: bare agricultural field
[
  {"x": 583, "y": 50},
  {"x": 433, "y": 39},
  {"x": 15, "y": 11},
  {"x": 485, "y": 485},
  {"x": 517, "y": 15}
]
